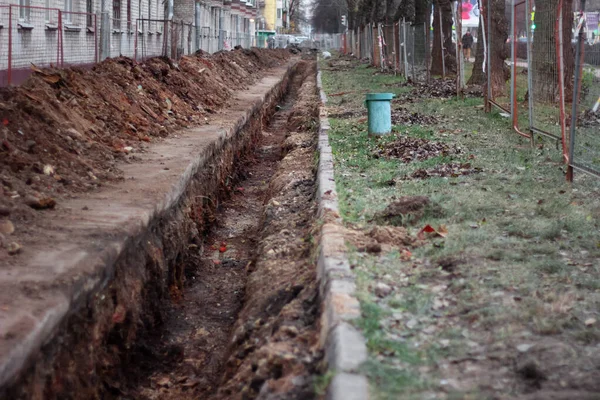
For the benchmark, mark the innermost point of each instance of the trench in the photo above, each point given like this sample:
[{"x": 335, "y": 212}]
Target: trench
[{"x": 197, "y": 351}]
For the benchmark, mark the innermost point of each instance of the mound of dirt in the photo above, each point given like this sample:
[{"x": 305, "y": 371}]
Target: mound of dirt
[
  {"x": 65, "y": 130},
  {"x": 380, "y": 238},
  {"x": 402, "y": 116},
  {"x": 410, "y": 149},
  {"x": 405, "y": 210},
  {"x": 452, "y": 170}
]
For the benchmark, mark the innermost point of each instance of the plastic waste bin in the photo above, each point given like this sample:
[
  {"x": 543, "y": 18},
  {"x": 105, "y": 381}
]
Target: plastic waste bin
[{"x": 379, "y": 111}]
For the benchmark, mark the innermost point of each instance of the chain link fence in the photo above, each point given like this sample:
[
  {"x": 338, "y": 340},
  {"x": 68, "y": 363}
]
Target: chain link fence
[
  {"x": 584, "y": 146},
  {"x": 544, "y": 70}
]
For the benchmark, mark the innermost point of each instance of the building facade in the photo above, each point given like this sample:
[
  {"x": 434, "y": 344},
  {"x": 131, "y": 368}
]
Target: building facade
[{"x": 83, "y": 32}]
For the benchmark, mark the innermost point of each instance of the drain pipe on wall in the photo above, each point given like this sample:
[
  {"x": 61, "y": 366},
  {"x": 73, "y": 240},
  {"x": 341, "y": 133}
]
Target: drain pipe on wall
[{"x": 104, "y": 32}]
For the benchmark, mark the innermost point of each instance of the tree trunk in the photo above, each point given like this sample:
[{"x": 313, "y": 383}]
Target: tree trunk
[
  {"x": 444, "y": 31},
  {"x": 478, "y": 76},
  {"x": 422, "y": 12},
  {"x": 499, "y": 49},
  {"x": 545, "y": 61},
  {"x": 568, "y": 50}
]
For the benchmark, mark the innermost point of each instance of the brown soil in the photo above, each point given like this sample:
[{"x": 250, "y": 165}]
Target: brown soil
[
  {"x": 410, "y": 149},
  {"x": 387, "y": 238},
  {"x": 407, "y": 210},
  {"x": 66, "y": 131},
  {"x": 245, "y": 324}
]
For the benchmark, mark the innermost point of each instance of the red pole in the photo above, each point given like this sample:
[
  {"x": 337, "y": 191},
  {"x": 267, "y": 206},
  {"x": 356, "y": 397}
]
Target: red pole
[{"x": 9, "y": 74}]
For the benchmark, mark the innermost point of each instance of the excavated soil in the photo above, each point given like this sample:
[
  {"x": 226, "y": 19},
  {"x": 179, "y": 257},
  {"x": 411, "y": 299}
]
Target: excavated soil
[
  {"x": 65, "y": 131},
  {"x": 244, "y": 326}
]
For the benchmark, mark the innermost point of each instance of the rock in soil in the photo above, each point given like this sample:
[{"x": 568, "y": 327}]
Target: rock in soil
[
  {"x": 13, "y": 248},
  {"x": 6, "y": 227},
  {"x": 382, "y": 290}
]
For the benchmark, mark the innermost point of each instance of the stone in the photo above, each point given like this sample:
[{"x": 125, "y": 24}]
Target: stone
[
  {"x": 346, "y": 386},
  {"x": 39, "y": 203},
  {"x": 13, "y": 248},
  {"x": 6, "y": 227},
  {"x": 382, "y": 290},
  {"x": 74, "y": 133}
]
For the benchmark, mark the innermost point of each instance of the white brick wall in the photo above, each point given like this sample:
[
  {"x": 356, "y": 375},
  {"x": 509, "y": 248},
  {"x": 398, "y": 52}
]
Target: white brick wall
[{"x": 35, "y": 38}]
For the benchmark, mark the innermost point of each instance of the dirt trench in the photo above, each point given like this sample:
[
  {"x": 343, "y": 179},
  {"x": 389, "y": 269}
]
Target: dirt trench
[{"x": 244, "y": 324}]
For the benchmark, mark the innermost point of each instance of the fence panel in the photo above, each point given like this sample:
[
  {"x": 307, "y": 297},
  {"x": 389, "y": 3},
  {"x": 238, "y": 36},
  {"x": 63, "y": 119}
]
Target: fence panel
[
  {"x": 519, "y": 59},
  {"x": 79, "y": 38},
  {"x": 546, "y": 62},
  {"x": 585, "y": 114},
  {"x": 34, "y": 35},
  {"x": 150, "y": 40},
  {"x": 416, "y": 52}
]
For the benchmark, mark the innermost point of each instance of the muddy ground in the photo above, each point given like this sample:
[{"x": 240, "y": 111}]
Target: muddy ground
[
  {"x": 65, "y": 131},
  {"x": 244, "y": 326}
]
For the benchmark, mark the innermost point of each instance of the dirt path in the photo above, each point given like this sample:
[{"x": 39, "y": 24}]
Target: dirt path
[{"x": 185, "y": 358}]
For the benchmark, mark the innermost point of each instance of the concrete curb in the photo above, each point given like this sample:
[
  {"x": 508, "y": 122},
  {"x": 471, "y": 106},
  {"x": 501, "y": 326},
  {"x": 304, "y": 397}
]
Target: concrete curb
[{"x": 345, "y": 348}]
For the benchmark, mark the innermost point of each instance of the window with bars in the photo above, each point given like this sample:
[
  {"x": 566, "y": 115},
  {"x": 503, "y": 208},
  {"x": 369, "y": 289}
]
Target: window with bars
[
  {"x": 24, "y": 10},
  {"x": 116, "y": 14},
  {"x": 68, "y": 11},
  {"x": 129, "y": 15},
  {"x": 89, "y": 8}
]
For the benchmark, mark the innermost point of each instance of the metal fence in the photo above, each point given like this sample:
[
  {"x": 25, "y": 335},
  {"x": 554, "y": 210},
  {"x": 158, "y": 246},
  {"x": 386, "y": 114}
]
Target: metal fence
[
  {"x": 546, "y": 66},
  {"x": 584, "y": 146},
  {"x": 414, "y": 54},
  {"x": 44, "y": 37}
]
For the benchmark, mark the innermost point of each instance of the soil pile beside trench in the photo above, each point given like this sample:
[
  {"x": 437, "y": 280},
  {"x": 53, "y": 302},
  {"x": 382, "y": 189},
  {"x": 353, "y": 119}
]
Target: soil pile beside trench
[{"x": 65, "y": 130}]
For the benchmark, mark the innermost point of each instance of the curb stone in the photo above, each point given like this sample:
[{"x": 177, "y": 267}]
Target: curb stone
[{"x": 345, "y": 348}]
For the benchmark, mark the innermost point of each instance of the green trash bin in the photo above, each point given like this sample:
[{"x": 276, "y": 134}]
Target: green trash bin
[{"x": 379, "y": 110}]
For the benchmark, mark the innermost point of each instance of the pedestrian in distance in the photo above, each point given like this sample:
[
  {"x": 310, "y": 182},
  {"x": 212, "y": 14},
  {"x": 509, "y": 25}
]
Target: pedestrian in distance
[{"x": 467, "y": 44}]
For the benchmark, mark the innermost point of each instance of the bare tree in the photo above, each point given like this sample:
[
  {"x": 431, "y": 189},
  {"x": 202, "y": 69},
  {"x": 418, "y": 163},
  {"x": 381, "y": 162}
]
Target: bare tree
[{"x": 442, "y": 36}]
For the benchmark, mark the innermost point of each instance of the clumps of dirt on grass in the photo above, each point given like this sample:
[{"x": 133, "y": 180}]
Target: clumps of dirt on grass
[
  {"x": 451, "y": 170},
  {"x": 379, "y": 238},
  {"x": 402, "y": 116},
  {"x": 342, "y": 63},
  {"x": 410, "y": 149},
  {"x": 407, "y": 210}
]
